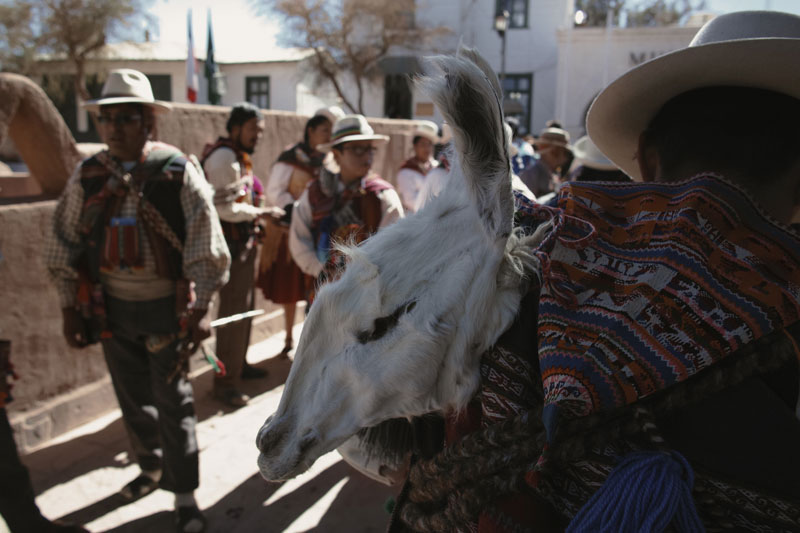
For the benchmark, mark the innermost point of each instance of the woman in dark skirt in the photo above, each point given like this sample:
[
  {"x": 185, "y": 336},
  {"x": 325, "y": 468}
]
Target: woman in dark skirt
[{"x": 278, "y": 276}]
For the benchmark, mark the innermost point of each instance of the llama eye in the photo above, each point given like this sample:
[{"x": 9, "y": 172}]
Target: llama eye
[{"x": 384, "y": 324}]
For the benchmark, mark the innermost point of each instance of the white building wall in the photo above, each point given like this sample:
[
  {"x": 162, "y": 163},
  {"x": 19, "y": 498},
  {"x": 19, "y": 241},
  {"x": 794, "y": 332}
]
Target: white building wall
[
  {"x": 591, "y": 58},
  {"x": 283, "y": 80},
  {"x": 531, "y": 50}
]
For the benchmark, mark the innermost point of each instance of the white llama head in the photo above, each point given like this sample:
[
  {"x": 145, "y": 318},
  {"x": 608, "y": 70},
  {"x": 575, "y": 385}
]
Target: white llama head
[{"x": 401, "y": 332}]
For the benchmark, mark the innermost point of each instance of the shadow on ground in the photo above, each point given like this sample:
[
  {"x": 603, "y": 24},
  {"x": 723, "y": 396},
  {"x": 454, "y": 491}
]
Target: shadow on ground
[{"x": 62, "y": 462}]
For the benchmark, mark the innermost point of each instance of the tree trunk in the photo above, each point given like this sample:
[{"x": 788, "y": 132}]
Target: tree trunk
[
  {"x": 80, "y": 79},
  {"x": 360, "y": 87},
  {"x": 330, "y": 76}
]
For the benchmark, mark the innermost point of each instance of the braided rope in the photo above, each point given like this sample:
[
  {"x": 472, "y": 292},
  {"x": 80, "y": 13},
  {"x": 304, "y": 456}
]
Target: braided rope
[
  {"x": 449, "y": 491},
  {"x": 159, "y": 224}
]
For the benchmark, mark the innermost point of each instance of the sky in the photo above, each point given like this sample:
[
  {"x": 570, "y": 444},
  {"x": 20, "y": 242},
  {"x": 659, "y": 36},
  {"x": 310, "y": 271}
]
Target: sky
[{"x": 235, "y": 23}]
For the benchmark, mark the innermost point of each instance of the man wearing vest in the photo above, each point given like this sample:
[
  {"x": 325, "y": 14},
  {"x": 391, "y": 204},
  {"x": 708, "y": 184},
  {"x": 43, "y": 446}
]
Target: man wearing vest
[
  {"x": 352, "y": 204},
  {"x": 136, "y": 252},
  {"x": 229, "y": 169}
]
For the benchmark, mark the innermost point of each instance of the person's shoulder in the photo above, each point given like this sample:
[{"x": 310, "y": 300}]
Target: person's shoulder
[{"x": 221, "y": 154}]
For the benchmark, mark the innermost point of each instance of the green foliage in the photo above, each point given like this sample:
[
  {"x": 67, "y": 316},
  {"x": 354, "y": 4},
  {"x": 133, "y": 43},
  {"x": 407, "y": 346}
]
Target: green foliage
[
  {"x": 595, "y": 10},
  {"x": 638, "y": 12},
  {"x": 663, "y": 12}
]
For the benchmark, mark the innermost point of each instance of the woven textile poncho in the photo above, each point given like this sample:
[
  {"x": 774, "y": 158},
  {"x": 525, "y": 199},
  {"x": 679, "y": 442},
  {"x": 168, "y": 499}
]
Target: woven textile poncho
[{"x": 644, "y": 285}]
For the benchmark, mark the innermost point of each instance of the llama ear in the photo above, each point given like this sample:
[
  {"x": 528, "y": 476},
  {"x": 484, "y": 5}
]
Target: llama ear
[
  {"x": 467, "y": 92},
  {"x": 365, "y": 270}
]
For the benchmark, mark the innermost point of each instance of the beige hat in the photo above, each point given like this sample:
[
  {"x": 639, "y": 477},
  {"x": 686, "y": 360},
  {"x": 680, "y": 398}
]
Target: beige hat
[
  {"x": 587, "y": 154},
  {"x": 352, "y": 128},
  {"x": 332, "y": 113},
  {"x": 427, "y": 129},
  {"x": 759, "y": 49},
  {"x": 555, "y": 137},
  {"x": 127, "y": 86}
]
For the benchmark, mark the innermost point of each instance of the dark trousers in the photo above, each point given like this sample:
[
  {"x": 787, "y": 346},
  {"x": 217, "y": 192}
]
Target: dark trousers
[
  {"x": 159, "y": 416},
  {"x": 236, "y": 296},
  {"x": 17, "y": 503}
]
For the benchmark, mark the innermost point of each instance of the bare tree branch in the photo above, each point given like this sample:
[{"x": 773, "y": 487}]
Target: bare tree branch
[
  {"x": 351, "y": 37},
  {"x": 75, "y": 29}
]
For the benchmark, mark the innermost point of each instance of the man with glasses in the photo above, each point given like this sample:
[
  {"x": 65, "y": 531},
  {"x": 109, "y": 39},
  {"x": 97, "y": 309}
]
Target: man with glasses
[
  {"x": 136, "y": 252},
  {"x": 350, "y": 205}
]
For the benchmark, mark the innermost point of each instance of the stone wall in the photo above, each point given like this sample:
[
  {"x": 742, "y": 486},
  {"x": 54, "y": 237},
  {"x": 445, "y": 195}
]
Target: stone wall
[
  {"x": 190, "y": 127},
  {"x": 29, "y": 311}
]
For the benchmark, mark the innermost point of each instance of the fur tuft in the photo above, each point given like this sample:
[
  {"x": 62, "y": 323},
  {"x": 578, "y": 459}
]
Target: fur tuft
[{"x": 467, "y": 92}]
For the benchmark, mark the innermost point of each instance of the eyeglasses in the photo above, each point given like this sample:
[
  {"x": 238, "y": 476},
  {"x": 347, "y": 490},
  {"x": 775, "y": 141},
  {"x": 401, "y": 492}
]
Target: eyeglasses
[
  {"x": 361, "y": 150},
  {"x": 119, "y": 120}
]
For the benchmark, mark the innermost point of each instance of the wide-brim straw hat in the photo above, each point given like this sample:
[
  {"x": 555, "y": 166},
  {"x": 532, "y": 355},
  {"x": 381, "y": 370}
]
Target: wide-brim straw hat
[
  {"x": 587, "y": 154},
  {"x": 127, "y": 86},
  {"x": 332, "y": 113},
  {"x": 351, "y": 128},
  {"x": 758, "y": 49},
  {"x": 427, "y": 129},
  {"x": 553, "y": 137}
]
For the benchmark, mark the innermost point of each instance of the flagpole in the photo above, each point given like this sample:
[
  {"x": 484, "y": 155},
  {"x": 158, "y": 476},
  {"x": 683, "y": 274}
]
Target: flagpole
[
  {"x": 215, "y": 89},
  {"x": 191, "y": 63}
]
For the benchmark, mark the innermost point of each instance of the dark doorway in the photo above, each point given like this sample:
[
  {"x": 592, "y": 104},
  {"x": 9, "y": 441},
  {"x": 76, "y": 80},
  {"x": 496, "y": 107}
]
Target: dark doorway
[{"x": 397, "y": 96}]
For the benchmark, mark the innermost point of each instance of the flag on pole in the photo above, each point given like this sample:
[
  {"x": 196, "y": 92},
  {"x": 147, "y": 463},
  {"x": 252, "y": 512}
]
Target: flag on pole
[
  {"x": 214, "y": 78},
  {"x": 192, "y": 81}
]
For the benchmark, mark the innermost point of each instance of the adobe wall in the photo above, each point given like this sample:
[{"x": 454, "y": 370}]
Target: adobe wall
[{"x": 29, "y": 312}]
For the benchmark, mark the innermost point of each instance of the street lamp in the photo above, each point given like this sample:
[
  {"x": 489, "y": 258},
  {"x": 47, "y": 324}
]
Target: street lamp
[{"x": 500, "y": 26}]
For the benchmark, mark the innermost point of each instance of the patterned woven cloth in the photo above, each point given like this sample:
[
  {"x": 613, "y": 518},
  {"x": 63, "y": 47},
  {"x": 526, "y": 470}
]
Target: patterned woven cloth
[{"x": 645, "y": 285}]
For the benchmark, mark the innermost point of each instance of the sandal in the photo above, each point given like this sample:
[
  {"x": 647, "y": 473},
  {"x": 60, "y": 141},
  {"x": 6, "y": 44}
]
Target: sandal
[
  {"x": 189, "y": 520},
  {"x": 287, "y": 347},
  {"x": 138, "y": 488}
]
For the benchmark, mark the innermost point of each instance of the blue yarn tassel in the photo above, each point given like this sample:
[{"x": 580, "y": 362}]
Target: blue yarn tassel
[{"x": 645, "y": 492}]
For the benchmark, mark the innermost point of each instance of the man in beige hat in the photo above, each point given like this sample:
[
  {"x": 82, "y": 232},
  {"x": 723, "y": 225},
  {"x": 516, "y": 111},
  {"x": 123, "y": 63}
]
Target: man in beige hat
[
  {"x": 411, "y": 176},
  {"x": 279, "y": 277},
  {"x": 134, "y": 230},
  {"x": 554, "y": 150},
  {"x": 592, "y": 165},
  {"x": 669, "y": 312},
  {"x": 351, "y": 204}
]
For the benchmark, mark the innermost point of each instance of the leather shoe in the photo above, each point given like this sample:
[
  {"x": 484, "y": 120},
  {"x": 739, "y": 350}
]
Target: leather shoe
[
  {"x": 232, "y": 396},
  {"x": 252, "y": 372}
]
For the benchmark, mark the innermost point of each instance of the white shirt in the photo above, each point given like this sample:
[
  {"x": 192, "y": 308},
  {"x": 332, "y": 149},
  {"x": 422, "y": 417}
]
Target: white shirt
[
  {"x": 409, "y": 185},
  {"x": 301, "y": 240},
  {"x": 231, "y": 197},
  {"x": 437, "y": 180},
  {"x": 277, "y": 192}
]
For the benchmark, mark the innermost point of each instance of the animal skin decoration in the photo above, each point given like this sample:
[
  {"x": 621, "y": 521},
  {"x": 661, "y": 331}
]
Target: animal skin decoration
[{"x": 401, "y": 332}]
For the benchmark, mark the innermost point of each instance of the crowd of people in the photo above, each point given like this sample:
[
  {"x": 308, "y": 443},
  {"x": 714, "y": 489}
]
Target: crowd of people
[{"x": 145, "y": 238}]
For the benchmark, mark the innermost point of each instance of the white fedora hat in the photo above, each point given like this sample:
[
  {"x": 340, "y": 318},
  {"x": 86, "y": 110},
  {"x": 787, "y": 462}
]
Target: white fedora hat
[
  {"x": 332, "y": 113},
  {"x": 352, "y": 128},
  {"x": 428, "y": 130},
  {"x": 127, "y": 86},
  {"x": 587, "y": 154},
  {"x": 555, "y": 137},
  {"x": 759, "y": 49}
]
